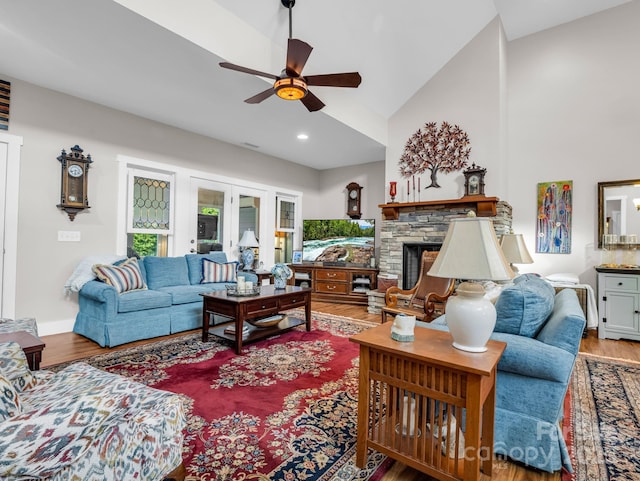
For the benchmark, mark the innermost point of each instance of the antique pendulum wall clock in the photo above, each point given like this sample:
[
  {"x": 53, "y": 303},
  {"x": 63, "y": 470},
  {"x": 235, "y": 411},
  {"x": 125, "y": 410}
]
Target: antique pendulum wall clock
[
  {"x": 73, "y": 190},
  {"x": 354, "y": 200}
]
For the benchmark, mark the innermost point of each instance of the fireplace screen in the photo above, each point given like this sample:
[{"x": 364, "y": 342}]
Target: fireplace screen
[{"x": 411, "y": 255}]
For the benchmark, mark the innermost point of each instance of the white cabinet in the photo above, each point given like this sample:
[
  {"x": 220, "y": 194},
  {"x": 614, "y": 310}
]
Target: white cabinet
[{"x": 619, "y": 303}]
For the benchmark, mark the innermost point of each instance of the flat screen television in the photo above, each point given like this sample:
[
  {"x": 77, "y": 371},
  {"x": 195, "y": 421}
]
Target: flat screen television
[{"x": 338, "y": 241}]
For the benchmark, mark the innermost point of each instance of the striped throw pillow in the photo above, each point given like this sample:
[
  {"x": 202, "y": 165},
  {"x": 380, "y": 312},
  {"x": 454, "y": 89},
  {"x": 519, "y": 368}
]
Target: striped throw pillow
[
  {"x": 124, "y": 277},
  {"x": 216, "y": 272}
]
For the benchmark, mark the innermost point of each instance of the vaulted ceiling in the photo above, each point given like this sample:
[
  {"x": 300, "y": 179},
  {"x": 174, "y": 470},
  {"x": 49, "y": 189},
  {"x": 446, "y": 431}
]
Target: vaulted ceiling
[{"x": 159, "y": 60}]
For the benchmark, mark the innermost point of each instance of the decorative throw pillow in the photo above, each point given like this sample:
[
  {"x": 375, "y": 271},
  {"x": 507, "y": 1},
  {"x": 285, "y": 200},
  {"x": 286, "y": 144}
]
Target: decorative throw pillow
[
  {"x": 216, "y": 272},
  {"x": 124, "y": 277},
  {"x": 166, "y": 271},
  {"x": 524, "y": 306},
  {"x": 14, "y": 366},
  {"x": 9, "y": 400},
  {"x": 565, "y": 277}
]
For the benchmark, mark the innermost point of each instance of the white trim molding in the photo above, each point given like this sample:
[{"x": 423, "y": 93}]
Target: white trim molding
[{"x": 10, "y": 164}]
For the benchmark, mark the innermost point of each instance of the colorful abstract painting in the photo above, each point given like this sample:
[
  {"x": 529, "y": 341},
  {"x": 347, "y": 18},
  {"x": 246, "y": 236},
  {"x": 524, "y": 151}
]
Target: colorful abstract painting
[
  {"x": 5, "y": 95},
  {"x": 553, "y": 230}
]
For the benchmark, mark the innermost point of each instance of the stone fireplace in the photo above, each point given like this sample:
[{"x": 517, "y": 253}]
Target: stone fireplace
[{"x": 408, "y": 229}]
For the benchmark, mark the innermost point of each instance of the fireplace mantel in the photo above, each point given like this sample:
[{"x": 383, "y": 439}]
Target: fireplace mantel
[
  {"x": 428, "y": 222},
  {"x": 484, "y": 206}
]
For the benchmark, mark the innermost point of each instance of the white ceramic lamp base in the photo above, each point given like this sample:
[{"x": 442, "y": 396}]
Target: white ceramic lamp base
[{"x": 470, "y": 317}]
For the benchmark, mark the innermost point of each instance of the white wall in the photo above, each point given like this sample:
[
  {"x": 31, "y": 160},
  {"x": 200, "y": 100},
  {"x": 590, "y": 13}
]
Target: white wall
[
  {"x": 465, "y": 92},
  {"x": 50, "y": 121},
  {"x": 333, "y": 191},
  {"x": 572, "y": 113}
]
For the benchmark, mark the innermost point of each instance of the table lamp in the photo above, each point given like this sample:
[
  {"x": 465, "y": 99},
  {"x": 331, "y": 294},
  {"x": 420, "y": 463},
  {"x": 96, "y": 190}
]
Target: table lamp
[
  {"x": 246, "y": 245},
  {"x": 470, "y": 251},
  {"x": 515, "y": 250}
]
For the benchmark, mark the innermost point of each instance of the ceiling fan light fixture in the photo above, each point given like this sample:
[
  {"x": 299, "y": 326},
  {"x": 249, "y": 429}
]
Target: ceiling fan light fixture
[{"x": 290, "y": 88}]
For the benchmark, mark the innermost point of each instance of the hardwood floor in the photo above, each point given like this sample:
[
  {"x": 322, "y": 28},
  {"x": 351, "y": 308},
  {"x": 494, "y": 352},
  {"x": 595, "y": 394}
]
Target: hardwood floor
[{"x": 69, "y": 346}]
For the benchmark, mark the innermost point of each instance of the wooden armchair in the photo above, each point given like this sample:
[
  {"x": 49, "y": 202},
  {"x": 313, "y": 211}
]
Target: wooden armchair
[{"x": 427, "y": 297}]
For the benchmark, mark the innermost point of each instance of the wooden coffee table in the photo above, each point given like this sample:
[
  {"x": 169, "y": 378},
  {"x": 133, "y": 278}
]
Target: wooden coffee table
[
  {"x": 239, "y": 309},
  {"x": 30, "y": 344}
]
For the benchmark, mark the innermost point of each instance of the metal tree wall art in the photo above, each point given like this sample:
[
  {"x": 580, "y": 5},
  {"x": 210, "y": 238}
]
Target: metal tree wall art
[{"x": 437, "y": 150}]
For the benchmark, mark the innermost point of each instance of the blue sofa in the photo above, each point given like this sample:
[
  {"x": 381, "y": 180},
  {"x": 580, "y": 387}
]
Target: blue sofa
[
  {"x": 171, "y": 303},
  {"x": 543, "y": 331}
]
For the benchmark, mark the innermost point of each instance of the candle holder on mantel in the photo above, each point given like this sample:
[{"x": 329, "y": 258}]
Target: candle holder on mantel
[{"x": 392, "y": 190}]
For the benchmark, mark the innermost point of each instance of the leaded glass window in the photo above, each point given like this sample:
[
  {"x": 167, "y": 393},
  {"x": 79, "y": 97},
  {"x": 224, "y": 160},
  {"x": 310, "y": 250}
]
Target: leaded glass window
[
  {"x": 285, "y": 214},
  {"x": 150, "y": 203}
]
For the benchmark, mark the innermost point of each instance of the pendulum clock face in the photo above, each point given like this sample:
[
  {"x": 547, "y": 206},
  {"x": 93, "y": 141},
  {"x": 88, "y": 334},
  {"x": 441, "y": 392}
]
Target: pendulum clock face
[{"x": 75, "y": 184}]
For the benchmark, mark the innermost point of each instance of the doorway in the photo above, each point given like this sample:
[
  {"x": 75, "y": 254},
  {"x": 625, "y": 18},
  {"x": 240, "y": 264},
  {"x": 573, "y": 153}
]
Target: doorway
[{"x": 10, "y": 146}]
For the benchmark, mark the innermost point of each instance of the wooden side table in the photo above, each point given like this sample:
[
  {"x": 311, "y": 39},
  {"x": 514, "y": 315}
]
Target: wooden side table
[
  {"x": 411, "y": 392},
  {"x": 30, "y": 344},
  {"x": 263, "y": 275}
]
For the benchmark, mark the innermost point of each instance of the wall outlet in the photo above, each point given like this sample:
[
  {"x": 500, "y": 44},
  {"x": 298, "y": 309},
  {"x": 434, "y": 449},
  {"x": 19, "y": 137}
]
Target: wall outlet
[{"x": 69, "y": 236}]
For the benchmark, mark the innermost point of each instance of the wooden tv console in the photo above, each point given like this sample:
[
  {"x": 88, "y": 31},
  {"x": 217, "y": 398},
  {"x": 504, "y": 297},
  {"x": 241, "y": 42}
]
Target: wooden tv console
[{"x": 344, "y": 285}]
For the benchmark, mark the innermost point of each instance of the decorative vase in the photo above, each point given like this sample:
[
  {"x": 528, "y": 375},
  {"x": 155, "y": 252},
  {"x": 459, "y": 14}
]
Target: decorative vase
[
  {"x": 392, "y": 190},
  {"x": 281, "y": 272}
]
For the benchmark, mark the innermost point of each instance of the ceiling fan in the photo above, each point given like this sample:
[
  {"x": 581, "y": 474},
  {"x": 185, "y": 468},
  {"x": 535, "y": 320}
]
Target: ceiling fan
[{"x": 290, "y": 84}]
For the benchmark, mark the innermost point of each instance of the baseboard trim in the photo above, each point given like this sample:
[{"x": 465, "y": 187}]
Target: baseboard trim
[{"x": 55, "y": 327}]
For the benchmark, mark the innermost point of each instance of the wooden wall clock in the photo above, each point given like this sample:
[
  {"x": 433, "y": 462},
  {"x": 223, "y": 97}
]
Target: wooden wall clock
[
  {"x": 474, "y": 180},
  {"x": 74, "y": 181},
  {"x": 354, "y": 200}
]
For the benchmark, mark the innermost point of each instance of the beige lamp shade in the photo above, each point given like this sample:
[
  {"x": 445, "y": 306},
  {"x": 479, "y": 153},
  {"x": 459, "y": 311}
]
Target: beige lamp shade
[
  {"x": 471, "y": 251},
  {"x": 248, "y": 239},
  {"x": 514, "y": 249}
]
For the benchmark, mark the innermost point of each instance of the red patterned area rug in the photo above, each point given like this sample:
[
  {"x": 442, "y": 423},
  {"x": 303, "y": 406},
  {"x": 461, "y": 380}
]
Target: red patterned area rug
[
  {"x": 604, "y": 430},
  {"x": 284, "y": 410}
]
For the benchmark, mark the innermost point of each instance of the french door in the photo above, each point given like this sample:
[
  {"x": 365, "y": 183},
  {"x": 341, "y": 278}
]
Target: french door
[
  {"x": 220, "y": 213},
  {"x": 210, "y": 216}
]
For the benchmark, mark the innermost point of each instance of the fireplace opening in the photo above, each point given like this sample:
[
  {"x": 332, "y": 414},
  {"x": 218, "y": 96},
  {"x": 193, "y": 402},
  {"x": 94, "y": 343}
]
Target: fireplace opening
[{"x": 411, "y": 255}]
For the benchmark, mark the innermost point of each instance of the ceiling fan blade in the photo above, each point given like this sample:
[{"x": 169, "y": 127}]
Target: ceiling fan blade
[
  {"x": 238, "y": 68},
  {"x": 311, "y": 102},
  {"x": 297, "y": 54},
  {"x": 256, "y": 99},
  {"x": 350, "y": 79}
]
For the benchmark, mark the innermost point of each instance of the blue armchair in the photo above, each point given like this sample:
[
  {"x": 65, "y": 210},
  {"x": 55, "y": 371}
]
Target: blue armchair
[{"x": 534, "y": 371}]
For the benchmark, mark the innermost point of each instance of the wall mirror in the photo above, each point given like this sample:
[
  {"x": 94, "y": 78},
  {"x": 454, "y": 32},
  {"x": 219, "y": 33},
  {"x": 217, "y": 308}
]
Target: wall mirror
[{"x": 617, "y": 212}]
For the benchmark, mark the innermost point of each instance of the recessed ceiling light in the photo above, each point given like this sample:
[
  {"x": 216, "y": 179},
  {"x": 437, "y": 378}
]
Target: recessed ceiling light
[{"x": 303, "y": 136}]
